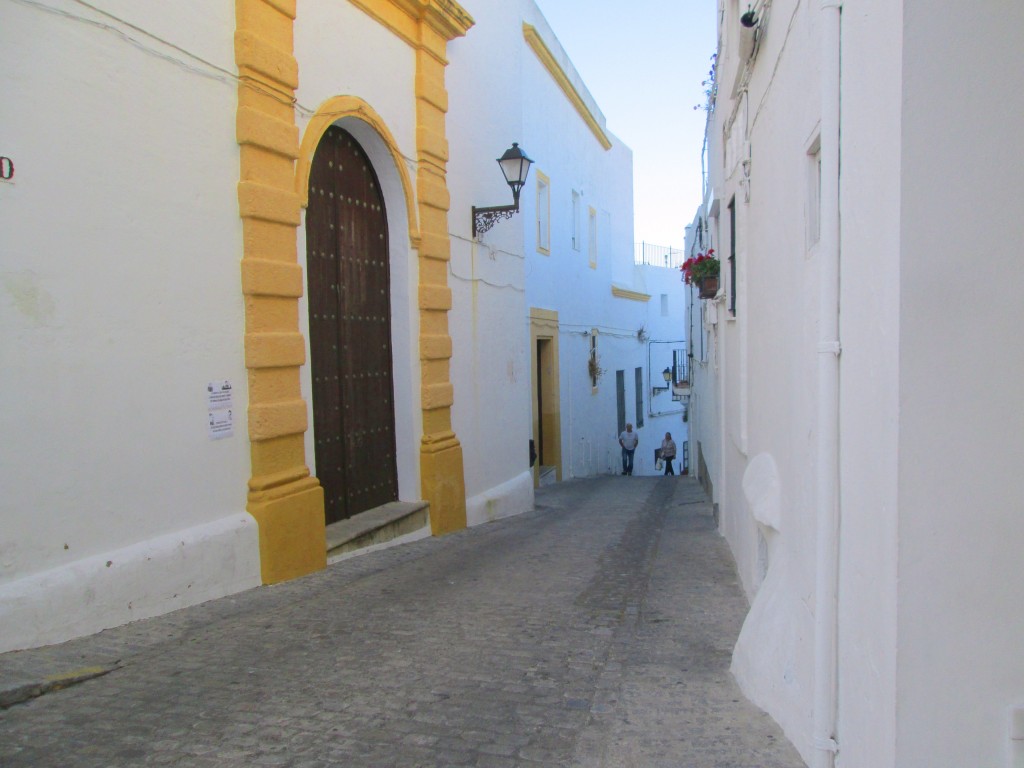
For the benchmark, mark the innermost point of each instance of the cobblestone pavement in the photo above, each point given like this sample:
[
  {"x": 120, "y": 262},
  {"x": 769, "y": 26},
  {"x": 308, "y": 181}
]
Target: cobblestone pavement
[{"x": 593, "y": 631}]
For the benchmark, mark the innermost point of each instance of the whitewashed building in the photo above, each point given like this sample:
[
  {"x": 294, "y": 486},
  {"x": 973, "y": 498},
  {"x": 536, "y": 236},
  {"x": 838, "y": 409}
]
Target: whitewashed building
[
  {"x": 856, "y": 410},
  {"x": 241, "y": 298},
  {"x": 568, "y": 253}
]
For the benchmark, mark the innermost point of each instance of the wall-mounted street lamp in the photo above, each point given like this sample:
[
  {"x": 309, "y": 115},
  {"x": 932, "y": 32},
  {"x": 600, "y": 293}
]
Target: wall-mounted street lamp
[
  {"x": 515, "y": 165},
  {"x": 667, "y": 375}
]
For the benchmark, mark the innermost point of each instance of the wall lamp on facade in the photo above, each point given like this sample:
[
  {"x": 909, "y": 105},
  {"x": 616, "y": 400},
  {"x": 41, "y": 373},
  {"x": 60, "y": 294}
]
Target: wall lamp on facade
[
  {"x": 667, "y": 375},
  {"x": 515, "y": 165}
]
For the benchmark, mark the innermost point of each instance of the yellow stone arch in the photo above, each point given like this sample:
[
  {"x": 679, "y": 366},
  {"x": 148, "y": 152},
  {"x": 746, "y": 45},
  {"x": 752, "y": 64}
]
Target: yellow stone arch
[{"x": 331, "y": 111}]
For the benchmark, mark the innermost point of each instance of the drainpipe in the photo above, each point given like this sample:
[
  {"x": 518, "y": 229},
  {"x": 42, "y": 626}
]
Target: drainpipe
[{"x": 826, "y": 493}]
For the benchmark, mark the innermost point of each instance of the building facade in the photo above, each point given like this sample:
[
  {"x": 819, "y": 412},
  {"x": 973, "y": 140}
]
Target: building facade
[
  {"x": 855, "y": 414},
  {"x": 568, "y": 254},
  {"x": 197, "y": 147},
  {"x": 242, "y": 298}
]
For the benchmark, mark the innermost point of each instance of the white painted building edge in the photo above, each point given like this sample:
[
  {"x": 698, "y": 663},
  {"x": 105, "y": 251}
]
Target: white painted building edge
[
  {"x": 929, "y": 626},
  {"x": 146, "y": 579},
  {"x": 506, "y": 500},
  {"x": 958, "y": 579},
  {"x": 490, "y": 366}
]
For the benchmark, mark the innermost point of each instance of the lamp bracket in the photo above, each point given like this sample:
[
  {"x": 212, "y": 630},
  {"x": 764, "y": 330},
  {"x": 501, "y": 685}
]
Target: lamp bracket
[{"x": 485, "y": 218}]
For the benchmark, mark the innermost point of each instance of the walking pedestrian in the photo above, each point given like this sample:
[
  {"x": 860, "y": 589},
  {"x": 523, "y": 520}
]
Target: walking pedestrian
[
  {"x": 668, "y": 453},
  {"x": 629, "y": 441}
]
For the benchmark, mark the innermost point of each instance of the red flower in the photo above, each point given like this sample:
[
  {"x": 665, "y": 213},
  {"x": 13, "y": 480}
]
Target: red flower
[{"x": 695, "y": 264}]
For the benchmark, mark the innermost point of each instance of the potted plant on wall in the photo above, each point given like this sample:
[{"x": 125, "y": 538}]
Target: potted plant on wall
[{"x": 703, "y": 270}]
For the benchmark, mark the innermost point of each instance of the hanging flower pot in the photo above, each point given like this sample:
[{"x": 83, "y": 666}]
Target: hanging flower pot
[
  {"x": 702, "y": 270},
  {"x": 708, "y": 287}
]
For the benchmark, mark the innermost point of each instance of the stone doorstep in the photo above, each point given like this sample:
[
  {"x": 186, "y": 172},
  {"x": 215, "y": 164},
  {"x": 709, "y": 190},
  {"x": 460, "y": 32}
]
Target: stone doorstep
[{"x": 376, "y": 526}]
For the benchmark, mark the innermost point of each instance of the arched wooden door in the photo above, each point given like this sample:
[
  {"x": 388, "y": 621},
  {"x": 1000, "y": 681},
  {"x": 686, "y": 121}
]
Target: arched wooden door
[{"x": 350, "y": 329}]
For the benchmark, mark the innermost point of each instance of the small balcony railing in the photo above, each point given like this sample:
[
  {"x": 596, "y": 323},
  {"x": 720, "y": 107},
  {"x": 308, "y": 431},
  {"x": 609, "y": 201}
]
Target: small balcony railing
[{"x": 648, "y": 254}]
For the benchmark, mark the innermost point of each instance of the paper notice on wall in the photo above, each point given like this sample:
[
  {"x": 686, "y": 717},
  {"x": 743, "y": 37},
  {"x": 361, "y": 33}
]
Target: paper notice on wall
[
  {"x": 220, "y": 409},
  {"x": 221, "y": 424},
  {"x": 218, "y": 395}
]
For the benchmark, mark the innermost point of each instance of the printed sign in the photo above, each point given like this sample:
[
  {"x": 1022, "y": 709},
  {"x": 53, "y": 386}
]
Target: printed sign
[
  {"x": 219, "y": 409},
  {"x": 218, "y": 395},
  {"x": 221, "y": 424}
]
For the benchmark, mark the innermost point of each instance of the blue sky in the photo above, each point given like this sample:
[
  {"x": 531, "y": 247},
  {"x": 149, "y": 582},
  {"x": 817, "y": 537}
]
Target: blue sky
[{"x": 643, "y": 62}]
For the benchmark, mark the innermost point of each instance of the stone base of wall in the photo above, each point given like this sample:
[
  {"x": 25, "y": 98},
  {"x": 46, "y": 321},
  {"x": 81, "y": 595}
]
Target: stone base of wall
[
  {"x": 146, "y": 579},
  {"x": 512, "y": 497}
]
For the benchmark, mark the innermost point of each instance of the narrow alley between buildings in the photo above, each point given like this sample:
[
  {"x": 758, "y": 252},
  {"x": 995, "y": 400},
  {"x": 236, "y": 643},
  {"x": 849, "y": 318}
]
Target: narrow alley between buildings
[{"x": 595, "y": 630}]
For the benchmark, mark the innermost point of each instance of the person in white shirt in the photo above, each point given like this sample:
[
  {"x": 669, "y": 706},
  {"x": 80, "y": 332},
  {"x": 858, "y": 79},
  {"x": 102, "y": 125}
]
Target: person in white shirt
[
  {"x": 668, "y": 453},
  {"x": 629, "y": 441}
]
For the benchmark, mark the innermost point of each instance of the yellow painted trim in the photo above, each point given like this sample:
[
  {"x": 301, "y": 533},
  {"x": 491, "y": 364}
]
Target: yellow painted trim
[
  {"x": 550, "y": 63},
  {"x": 623, "y": 293},
  {"x": 326, "y": 115},
  {"x": 444, "y": 19},
  {"x": 544, "y": 327},
  {"x": 543, "y": 179},
  {"x": 546, "y": 316},
  {"x": 286, "y": 502}
]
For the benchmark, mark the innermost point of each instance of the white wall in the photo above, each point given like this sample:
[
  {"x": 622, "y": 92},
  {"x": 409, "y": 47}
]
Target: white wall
[
  {"x": 930, "y": 425},
  {"x": 114, "y": 320},
  {"x": 765, "y": 357},
  {"x": 961, "y": 528},
  {"x": 870, "y": 390},
  {"x": 490, "y": 363}
]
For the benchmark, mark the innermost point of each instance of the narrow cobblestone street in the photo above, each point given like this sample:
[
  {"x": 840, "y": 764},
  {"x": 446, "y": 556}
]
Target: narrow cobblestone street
[{"x": 593, "y": 631}]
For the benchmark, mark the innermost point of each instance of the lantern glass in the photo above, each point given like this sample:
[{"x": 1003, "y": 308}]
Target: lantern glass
[{"x": 515, "y": 165}]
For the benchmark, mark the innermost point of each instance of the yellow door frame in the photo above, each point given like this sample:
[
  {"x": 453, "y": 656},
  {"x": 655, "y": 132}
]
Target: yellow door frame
[
  {"x": 544, "y": 328},
  {"x": 283, "y": 497}
]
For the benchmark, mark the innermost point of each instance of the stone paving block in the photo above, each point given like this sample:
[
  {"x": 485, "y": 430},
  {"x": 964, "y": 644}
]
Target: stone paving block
[{"x": 595, "y": 630}]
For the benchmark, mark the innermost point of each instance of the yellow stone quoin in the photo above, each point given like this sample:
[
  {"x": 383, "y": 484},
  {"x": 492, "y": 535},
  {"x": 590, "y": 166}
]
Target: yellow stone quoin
[{"x": 285, "y": 500}]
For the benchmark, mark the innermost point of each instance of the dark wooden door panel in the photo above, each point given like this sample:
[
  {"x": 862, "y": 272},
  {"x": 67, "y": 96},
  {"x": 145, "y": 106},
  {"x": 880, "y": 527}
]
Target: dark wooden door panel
[{"x": 350, "y": 329}]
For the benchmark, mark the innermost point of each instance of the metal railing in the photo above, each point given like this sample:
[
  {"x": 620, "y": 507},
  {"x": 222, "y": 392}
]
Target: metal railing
[{"x": 658, "y": 255}]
